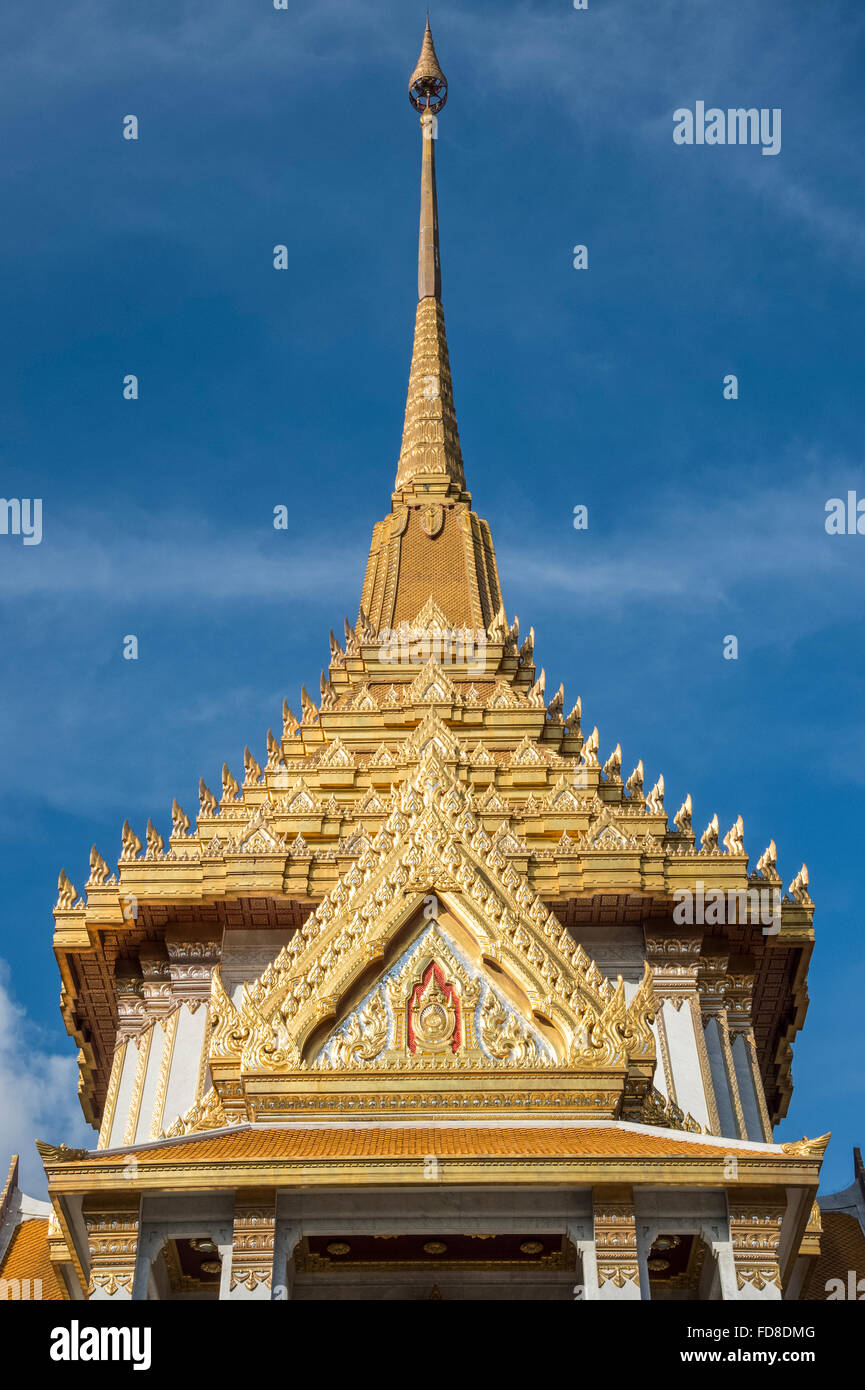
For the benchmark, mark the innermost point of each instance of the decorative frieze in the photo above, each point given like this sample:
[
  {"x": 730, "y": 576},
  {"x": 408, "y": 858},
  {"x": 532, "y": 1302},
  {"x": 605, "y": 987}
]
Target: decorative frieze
[
  {"x": 112, "y": 1235},
  {"x": 253, "y": 1247},
  {"x": 755, "y": 1232},
  {"x": 616, "y": 1247}
]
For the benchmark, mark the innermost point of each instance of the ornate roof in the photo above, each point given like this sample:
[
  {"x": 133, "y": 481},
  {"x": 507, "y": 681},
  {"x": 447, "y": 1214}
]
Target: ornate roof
[
  {"x": 295, "y": 1144},
  {"x": 435, "y": 761}
]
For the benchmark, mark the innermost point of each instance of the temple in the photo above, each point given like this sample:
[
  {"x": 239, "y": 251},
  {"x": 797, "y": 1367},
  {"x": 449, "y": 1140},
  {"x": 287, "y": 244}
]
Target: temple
[{"x": 437, "y": 1000}]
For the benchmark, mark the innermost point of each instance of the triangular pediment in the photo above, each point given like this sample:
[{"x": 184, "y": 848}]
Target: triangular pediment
[
  {"x": 336, "y": 755},
  {"x": 605, "y": 833},
  {"x": 363, "y": 699},
  {"x": 503, "y": 697},
  {"x": 527, "y": 754},
  {"x": 434, "y": 1009},
  {"x": 432, "y": 737},
  {"x": 433, "y": 847},
  {"x": 256, "y": 837},
  {"x": 299, "y": 800},
  {"x": 562, "y": 798},
  {"x": 431, "y": 618},
  {"x": 383, "y": 757},
  {"x": 432, "y": 686},
  {"x": 482, "y": 757}
]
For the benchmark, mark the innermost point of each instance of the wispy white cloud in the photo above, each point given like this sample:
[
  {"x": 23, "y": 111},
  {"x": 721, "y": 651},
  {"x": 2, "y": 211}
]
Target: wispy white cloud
[
  {"x": 703, "y": 554},
  {"x": 38, "y": 1091},
  {"x": 172, "y": 558}
]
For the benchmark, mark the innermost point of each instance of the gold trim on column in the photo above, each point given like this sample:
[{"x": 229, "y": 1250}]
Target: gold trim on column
[
  {"x": 755, "y": 1233},
  {"x": 663, "y": 1043},
  {"x": 170, "y": 1025},
  {"x": 111, "y": 1096},
  {"x": 142, "y": 1042},
  {"x": 705, "y": 1068},
  {"x": 205, "y": 1055},
  {"x": 757, "y": 1083},
  {"x": 112, "y": 1235},
  {"x": 730, "y": 1069}
]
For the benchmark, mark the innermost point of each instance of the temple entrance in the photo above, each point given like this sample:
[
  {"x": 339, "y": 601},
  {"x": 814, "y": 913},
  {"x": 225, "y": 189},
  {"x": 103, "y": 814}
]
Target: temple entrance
[
  {"x": 534, "y": 1265},
  {"x": 681, "y": 1267}
]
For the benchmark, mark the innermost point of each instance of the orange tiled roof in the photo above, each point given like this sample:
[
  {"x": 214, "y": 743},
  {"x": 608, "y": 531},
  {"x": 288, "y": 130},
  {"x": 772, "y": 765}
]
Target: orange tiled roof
[
  {"x": 842, "y": 1248},
  {"x": 27, "y": 1257},
  {"x": 368, "y": 1141}
]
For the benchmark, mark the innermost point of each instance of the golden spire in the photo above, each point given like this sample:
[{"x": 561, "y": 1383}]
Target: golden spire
[
  {"x": 430, "y": 442},
  {"x": 432, "y": 552}
]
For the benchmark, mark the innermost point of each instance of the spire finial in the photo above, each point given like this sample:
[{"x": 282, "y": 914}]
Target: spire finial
[
  {"x": 430, "y": 441},
  {"x": 428, "y": 86}
]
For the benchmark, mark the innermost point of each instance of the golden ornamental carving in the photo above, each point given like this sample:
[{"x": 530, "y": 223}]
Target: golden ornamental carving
[
  {"x": 433, "y": 1015},
  {"x": 504, "y": 1036},
  {"x": 755, "y": 1234},
  {"x": 432, "y": 519},
  {"x": 433, "y": 841},
  {"x": 364, "y": 1037},
  {"x": 808, "y": 1148},
  {"x": 616, "y": 1244},
  {"x": 661, "y": 1111},
  {"x": 208, "y": 1113}
]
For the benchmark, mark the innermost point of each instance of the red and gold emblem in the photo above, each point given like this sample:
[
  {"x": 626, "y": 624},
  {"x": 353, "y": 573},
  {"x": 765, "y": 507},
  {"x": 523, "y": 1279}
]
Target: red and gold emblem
[{"x": 433, "y": 1014}]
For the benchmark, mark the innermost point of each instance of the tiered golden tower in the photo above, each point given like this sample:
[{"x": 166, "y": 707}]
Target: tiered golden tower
[{"x": 411, "y": 1008}]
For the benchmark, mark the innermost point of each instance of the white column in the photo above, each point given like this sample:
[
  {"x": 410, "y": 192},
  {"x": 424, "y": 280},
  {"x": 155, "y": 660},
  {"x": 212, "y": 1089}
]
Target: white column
[{"x": 288, "y": 1233}]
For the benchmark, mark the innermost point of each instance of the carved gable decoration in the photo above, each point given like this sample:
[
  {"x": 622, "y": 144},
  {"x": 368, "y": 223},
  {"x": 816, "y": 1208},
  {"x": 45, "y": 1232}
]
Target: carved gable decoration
[
  {"x": 527, "y": 754},
  {"x": 433, "y": 736},
  {"x": 482, "y": 757},
  {"x": 506, "y": 842},
  {"x": 256, "y": 837},
  {"x": 372, "y": 804},
  {"x": 262, "y": 841},
  {"x": 605, "y": 834},
  {"x": 358, "y": 842},
  {"x": 431, "y": 618},
  {"x": 299, "y": 800},
  {"x": 503, "y": 697},
  {"x": 363, "y": 700},
  {"x": 428, "y": 846},
  {"x": 432, "y": 686},
  {"x": 433, "y": 1024},
  {"x": 430, "y": 1011},
  {"x": 336, "y": 755},
  {"x": 383, "y": 757},
  {"x": 609, "y": 838},
  {"x": 562, "y": 798},
  {"x": 493, "y": 802}
]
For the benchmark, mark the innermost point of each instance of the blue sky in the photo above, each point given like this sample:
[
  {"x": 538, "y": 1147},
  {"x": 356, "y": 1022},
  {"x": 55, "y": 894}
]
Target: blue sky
[{"x": 260, "y": 387}]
